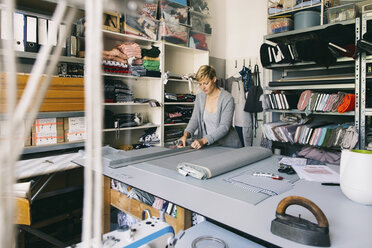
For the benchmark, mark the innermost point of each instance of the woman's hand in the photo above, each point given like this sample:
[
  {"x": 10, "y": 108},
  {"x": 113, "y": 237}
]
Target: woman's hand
[
  {"x": 182, "y": 141},
  {"x": 197, "y": 144}
]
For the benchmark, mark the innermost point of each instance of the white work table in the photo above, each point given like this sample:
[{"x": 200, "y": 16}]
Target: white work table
[{"x": 350, "y": 224}]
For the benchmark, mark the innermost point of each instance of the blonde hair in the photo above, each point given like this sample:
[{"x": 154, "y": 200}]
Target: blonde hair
[{"x": 205, "y": 71}]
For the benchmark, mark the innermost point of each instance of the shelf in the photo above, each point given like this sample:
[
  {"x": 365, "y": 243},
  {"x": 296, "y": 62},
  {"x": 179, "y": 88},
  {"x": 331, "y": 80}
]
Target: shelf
[
  {"x": 294, "y": 10},
  {"x": 295, "y": 111},
  {"x": 130, "y": 128},
  {"x": 130, "y": 76},
  {"x": 30, "y": 55},
  {"x": 310, "y": 63},
  {"x": 288, "y": 34},
  {"x": 175, "y": 124},
  {"x": 127, "y": 38},
  {"x": 177, "y": 80},
  {"x": 368, "y": 111},
  {"x": 188, "y": 49},
  {"x": 48, "y": 148},
  {"x": 60, "y": 114},
  {"x": 126, "y": 104},
  {"x": 179, "y": 103},
  {"x": 310, "y": 87}
]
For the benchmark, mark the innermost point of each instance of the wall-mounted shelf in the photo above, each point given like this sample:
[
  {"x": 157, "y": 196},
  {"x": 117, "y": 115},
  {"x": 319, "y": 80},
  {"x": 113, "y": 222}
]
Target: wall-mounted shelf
[
  {"x": 295, "y": 111},
  {"x": 294, "y": 10},
  {"x": 117, "y": 75},
  {"x": 311, "y": 87},
  {"x": 179, "y": 103},
  {"x": 32, "y": 56}
]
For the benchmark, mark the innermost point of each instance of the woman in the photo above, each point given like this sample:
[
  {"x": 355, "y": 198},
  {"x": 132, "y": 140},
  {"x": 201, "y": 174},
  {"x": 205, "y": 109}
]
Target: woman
[{"x": 212, "y": 114}]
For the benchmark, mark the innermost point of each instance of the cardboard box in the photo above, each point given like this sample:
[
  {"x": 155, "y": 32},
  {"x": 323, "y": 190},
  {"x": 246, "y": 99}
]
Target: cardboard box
[
  {"x": 74, "y": 123},
  {"x": 47, "y": 125},
  {"x": 48, "y": 138},
  {"x": 111, "y": 21}
]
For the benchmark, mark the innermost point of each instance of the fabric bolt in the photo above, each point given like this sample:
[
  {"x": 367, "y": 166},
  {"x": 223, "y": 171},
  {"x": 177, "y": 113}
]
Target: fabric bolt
[
  {"x": 304, "y": 100},
  {"x": 320, "y": 155},
  {"x": 348, "y": 103},
  {"x": 340, "y": 97},
  {"x": 153, "y": 73},
  {"x": 350, "y": 138},
  {"x": 331, "y": 99},
  {"x": 224, "y": 134},
  {"x": 115, "y": 63},
  {"x": 226, "y": 161}
]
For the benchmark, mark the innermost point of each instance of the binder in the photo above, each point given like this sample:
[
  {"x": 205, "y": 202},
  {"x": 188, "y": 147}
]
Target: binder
[
  {"x": 61, "y": 34},
  {"x": 42, "y": 30},
  {"x": 52, "y": 39},
  {"x": 19, "y": 27},
  {"x": 31, "y": 44},
  {"x": 71, "y": 43}
]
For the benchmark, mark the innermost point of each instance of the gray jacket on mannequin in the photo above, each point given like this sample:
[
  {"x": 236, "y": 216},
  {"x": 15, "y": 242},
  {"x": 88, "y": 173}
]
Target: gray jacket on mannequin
[{"x": 224, "y": 134}]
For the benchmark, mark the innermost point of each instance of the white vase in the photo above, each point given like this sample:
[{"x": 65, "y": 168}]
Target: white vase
[{"x": 356, "y": 175}]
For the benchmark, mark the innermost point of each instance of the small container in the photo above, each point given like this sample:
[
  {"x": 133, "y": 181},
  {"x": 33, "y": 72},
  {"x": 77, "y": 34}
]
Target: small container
[
  {"x": 142, "y": 26},
  {"x": 342, "y": 13},
  {"x": 173, "y": 11},
  {"x": 279, "y": 25},
  {"x": 199, "y": 40},
  {"x": 306, "y": 19},
  {"x": 174, "y": 33},
  {"x": 199, "y": 22}
]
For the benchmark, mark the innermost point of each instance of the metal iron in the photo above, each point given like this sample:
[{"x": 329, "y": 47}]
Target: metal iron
[{"x": 300, "y": 230}]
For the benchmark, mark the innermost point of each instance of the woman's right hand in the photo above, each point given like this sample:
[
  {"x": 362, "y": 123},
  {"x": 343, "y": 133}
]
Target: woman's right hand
[{"x": 182, "y": 141}]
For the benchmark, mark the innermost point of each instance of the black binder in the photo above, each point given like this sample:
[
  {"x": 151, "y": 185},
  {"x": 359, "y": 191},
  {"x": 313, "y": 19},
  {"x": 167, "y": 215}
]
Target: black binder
[{"x": 31, "y": 34}]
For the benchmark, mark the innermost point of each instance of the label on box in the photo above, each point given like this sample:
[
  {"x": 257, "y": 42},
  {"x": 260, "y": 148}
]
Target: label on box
[
  {"x": 47, "y": 125},
  {"x": 74, "y": 124},
  {"x": 75, "y": 135}
]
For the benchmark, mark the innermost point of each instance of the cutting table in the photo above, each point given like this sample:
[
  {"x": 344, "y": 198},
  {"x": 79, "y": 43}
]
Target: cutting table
[{"x": 225, "y": 203}]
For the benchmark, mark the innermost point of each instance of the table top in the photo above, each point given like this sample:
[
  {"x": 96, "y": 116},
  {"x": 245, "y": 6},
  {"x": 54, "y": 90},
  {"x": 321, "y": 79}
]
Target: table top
[{"x": 350, "y": 223}]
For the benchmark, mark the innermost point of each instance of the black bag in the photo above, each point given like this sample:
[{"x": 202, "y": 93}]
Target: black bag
[{"x": 253, "y": 104}]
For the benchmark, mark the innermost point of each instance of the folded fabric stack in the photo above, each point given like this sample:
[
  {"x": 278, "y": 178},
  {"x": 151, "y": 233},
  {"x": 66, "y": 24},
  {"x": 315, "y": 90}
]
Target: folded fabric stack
[
  {"x": 178, "y": 114},
  {"x": 128, "y": 120},
  {"x": 115, "y": 61},
  {"x": 171, "y": 97},
  {"x": 151, "y": 61},
  {"x": 150, "y": 136},
  {"x": 171, "y": 135},
  {"x": 317, "y": 133},
  {"x": 117, "y": 91},
  {"x": 133, "y": 52},
  {"x": 141, "y": 26}
]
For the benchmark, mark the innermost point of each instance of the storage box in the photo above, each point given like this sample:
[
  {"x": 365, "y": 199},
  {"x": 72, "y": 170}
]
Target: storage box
[
  {"x": 174, "y": 33},
  {"x": 199, "y": 22},
  {"x": 111, "y": 21},
  {"x": 199, "y": 40},
  {"x": 47, "y": 125},
  {"x": 341, "y": 13},
  {"x": 173, "y": 11},
  {"x": 150, "y": 8},
  {"x": 74, "y": 128},
  {"x": 142, "y": 25},
  {"x": 48, "y": 138},
  {"x": 279, "y": 25}
]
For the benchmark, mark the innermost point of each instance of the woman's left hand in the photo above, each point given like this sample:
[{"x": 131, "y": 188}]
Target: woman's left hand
[{"x": 197, "y": 144}]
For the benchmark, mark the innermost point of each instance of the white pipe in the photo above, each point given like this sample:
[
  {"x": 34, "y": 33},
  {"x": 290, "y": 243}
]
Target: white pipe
[{"x": 7, "y": 167}]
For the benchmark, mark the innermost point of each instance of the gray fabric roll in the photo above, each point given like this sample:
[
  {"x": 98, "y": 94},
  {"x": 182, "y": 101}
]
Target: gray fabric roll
[{"x": 218, "y": 164}]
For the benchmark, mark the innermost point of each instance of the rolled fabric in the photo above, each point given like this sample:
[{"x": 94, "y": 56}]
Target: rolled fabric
[
  {"x": 208, "y": 167},
  {"x": 347, "y": 104},
  {"x": 304, "y": 100}
]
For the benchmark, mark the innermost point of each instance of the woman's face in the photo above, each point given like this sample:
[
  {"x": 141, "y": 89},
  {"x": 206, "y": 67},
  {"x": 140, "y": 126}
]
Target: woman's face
[{"x": 207, "y": 85}]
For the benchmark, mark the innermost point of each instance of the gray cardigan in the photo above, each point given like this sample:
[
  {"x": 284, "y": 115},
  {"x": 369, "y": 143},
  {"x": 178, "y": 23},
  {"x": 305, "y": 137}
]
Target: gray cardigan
[{"x": 225, "y": 134}]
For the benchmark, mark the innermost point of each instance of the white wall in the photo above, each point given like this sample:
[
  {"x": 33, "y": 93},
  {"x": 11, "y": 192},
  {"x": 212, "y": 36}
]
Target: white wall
[{"x": 238, "y": 27}]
